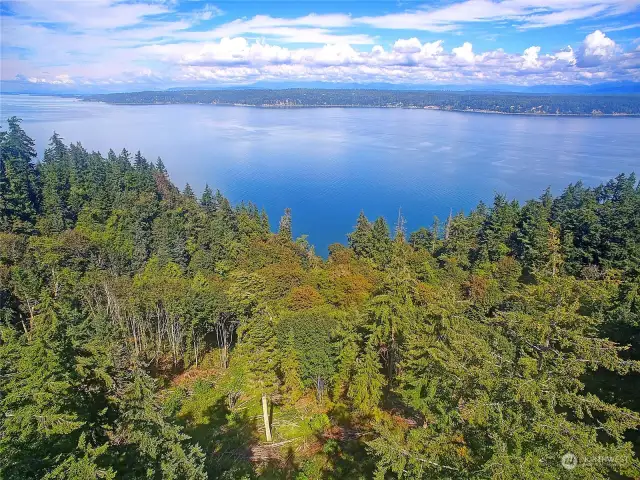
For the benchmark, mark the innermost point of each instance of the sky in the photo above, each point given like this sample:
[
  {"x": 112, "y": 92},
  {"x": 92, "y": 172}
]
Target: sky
[{"x": 126, "y": 45}]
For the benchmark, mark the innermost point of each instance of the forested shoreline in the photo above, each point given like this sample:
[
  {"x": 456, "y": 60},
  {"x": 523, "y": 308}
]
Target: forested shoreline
[
  {"x": 494, "y": 102},
  {"x": 143, "y": 328}
]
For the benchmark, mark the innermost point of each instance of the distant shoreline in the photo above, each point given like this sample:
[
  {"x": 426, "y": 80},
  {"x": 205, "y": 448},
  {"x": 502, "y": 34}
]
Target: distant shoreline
[
  {"x": 537, "y": 105},
  {"x": 429, "y": 108},
  {"x": 465, "y": 102}
]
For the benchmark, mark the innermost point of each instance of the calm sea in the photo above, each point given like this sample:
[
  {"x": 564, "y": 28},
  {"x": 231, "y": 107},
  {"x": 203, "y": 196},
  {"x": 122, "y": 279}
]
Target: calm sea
[{"x": 328, "y": 164}]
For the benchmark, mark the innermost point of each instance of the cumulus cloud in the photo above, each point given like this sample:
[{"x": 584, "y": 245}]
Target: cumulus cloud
[
  {"x": 567, "y": 55},
  {"x": 597, "y": 48},
  {"x": 406, "y": 61},
  {"x": 530, "y": 57},
  {"x": 411, "y": 45},
  {"x": 236, "y": 51},
  {"x": 464, "y": 53},
  {"x": 77, "y": 42},
  {"x": 236, "y": 60}
]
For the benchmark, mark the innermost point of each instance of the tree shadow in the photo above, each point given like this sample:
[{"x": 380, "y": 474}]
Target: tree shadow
[
  {"x": 277, "y": 469},
  {"x": 346, "y": 458},
  {"x": 612, "y": 387},
  {"x": 345, "y": 449},
  {"x": 233, "y": 450},
  {"x": 227, "y": 439}
]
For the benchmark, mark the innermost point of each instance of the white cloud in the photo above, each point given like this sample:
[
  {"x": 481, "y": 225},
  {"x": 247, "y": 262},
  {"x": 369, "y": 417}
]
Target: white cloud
[
  {"x": 332, "y": 55},
  {"x": 623, "y": 27},
  {"x": 206, "y": 13},
  {"x": 63, "y": 79},
  {"x": 432, "y": 49},
  {"x": 567, "y": 55},
  {"x": 464, "y": 53},
  {"x": 446, "y": 18},
  {"x": 597, "y": 48},
  {"x": 87, "y": 14},
  {"x": 525, "y": 13},
  {"x": 312, "y": 28},
  {"x": 412, "y": 45},
  {"x": 236, "y": 51},
  {"x": 530, "y": 57},
  {"x": 237, "y": 60},
  {"x": 563, "y": 16},
  {"x": 127, "y": 41}
]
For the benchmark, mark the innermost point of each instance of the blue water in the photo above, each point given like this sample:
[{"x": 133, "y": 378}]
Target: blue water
[{"x": 328, "y": 164}]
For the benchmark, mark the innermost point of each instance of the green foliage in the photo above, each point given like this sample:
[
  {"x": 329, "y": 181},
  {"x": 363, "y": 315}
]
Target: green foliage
[
  {"x": 140, "y": 328},
  {"x": 284, "y": 229},
  {"x": 290, "y": 369},
  {"x": 257, "y": 345},
  {"x": 366, "y": 388},
  {"x": 19, "y": 193},
  {"x": 310, "y": 334},
  {"x": 361, "y": 239}
]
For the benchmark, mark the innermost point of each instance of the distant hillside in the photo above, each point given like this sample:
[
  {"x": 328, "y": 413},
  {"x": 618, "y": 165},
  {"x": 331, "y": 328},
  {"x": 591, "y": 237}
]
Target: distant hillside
[{"x": 497, "y": 102}]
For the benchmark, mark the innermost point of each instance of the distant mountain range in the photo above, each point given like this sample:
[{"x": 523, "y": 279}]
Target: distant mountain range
[
  {"x": 608, "y": 88},
  {"x": 611, "y": 88}
]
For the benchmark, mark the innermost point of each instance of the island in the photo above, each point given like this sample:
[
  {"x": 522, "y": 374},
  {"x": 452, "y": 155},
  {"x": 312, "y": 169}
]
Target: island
[{"x": 483, "y": 102}]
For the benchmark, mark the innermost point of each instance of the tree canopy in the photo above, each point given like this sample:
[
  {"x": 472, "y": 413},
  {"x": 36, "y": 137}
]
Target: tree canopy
[{"x": 142, "y": 328}]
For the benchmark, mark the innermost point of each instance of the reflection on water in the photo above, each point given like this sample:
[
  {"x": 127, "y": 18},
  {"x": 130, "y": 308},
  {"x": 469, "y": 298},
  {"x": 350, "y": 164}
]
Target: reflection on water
[{"x": 328, "y": 164}]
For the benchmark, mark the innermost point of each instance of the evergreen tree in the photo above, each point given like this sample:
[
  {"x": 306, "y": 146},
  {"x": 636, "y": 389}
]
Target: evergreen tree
[
  {"x": 391, "y": 312},
  {"x": 580, "y": 232},
  {"x": 366, "y": 388},
  {"x": 422, "y": 238},
  {"x": 54, "y": 394},
  {"x": 533, "y": 230},
  {"x": 160, "y": 167},
  {"x": 188, "y": 192},
  {"x": 55, "y": 176},
  {"x": 207, "y": 199},
  {"x": 264, "y": 222},
  {"x": 290, "y": 368},
  {"x": 139, "y": 162},
  {"x": 150, "y": 445},
  {"x": 5, "y": 216},
  {"x": 125, "y": 159},
  {"x": 258, "y": 344},
  {"x": 284, "y": 228},
  {"x": 361, "y": 239},
  {"x": 497, "y": 232},
  {"x": 19, "y": 179},
  {"x": 380, "y": 242},
  {"x": 120, "y": 298}
]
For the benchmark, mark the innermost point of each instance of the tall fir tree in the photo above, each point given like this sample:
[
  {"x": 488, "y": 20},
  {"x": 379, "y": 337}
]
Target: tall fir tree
[
  {"x": 19, "y": 178},
  {"x": 361, "y": 239},
  {"x": 284, "y": 228}
]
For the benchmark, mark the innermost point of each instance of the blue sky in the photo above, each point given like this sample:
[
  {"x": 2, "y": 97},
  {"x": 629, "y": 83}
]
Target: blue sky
[{"x": 121, "y": 45}]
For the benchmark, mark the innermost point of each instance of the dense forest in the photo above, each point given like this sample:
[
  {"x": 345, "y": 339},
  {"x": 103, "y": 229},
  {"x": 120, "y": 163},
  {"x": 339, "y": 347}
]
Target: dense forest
[
  {"x": 149, "y": 333},
  {"x": 515, "y": 103}
]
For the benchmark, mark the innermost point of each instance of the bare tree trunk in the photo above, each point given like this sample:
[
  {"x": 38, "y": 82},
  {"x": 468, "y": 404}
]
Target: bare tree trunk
[
  {"x": 447, "y": 227},
  {"x": 26, "y": 331},
  {"x": 31, "y": 313},
  {"x": 265, "y": 414},
  {"x": 195, "y": 346},
  {"x": 319, "y": 388},
  {"x": 225, "y": 326}
]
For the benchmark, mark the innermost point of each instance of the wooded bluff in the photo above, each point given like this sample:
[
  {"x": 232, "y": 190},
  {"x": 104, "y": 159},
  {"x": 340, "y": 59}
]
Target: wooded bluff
[{"x": 148, "y": 333}]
